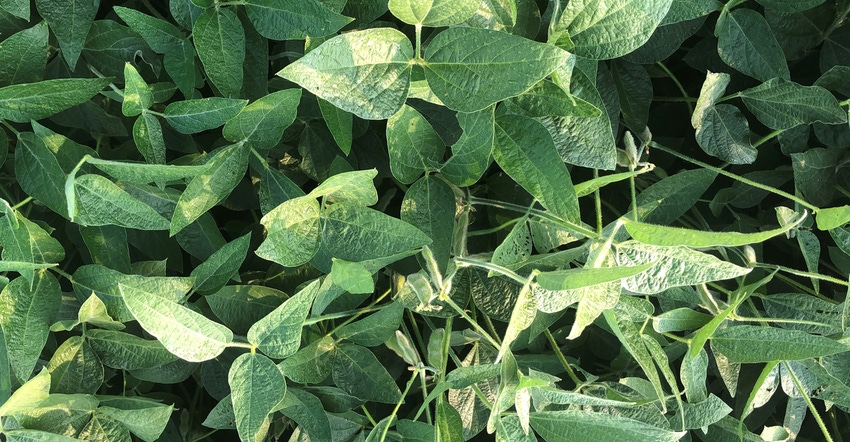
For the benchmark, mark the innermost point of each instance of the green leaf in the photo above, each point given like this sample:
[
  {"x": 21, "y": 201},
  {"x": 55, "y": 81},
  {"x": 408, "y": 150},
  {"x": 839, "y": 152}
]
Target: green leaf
[
  {"x": 430, "y": 206},
  {"x": 790, "y": 5},
  {"x": 187, "y": 334},
  {"x": 223, "y": 172},
  {"x": 525, "y": 152},
  {"x": 433, "y": 13},
  {"x": 278, "y": 334},
  {"x": 413, "y": 144},
  {"x": 712, "y": 90},
  {"x": 75, "y": 368},
  {"x": 375, "y": 329},
  {"x": 145, "y": 173},
  {"x": 256, "y": 386},
  {"x": 240, "y": 306},
  {"x": 179, "y": 63},
  {"x": 147, "y": 134},
  {"x": 312, "y": 363},
  {"x": 449, "y": 423},
  {"x": 753, "y": 344},
  {"x": 292, "y": 232},
  {"x": 832, "y": 217},
  {"x": 23, "y": 55},
  {"x": 546, "y": 99},
  {"x": 24, "y": 240},
  {"x": 502, "y": 64},
  {"x": 18, "y": 8},
  {"x": 93, "y": 311},
  {"x": 261, "y": 123},
  {"x": 580, "y": 426},
  {"x": 28, "y": 395},
  {"x": 220, "y": 41},
  {"x": 70, "y": 22},
  {"x": 668, "y": 199},
  {"x": 674, "y": 267},
  {"x": 307, "y": 411},
  {"x": 603, "y": 30},
  {"x": 36, "y": 436},
  {"x": 358, "y": 372},
  {"x": 746, "y": 43},
  {"x": 107, "y": 245},
  {"x": 159, "y": 34},
  {"x": 124, "y": 351},
  {"x": 144, "y": 417},
  {"x": 357, "y": 233},
  {"x": 680, "y": 319},
  {"x": 634, "y": 88},
  {"x": 137, "y": 94},
  {"x": 288, "y": 20},
  {"x": 101, "y": 202},
  {"x": 26, "y": 312},
  {"x": 573, "y": 279},
  {"x": 38, "y": 172},
  {"x": 365, "y": 72},
  {"x": 102, "y": 427},
  {"x": 357, "y": 187},
  {"x": 815, "y": 173},
  {"x": 193, "y": 116},
  {"x": 352, "y": 277},
  {"x": 725, "y": 134},
  {"x": 471, "y": 153},
  {"x": 783, "y": 104},
  {"x": 516, "y": 247},
  {"x": 33, "y": 101},
  {"x": 222, "y": 265},
  {"x": 275, "y": 188},
  {"x": 340, "y": 123},
  {"x": 675, "y": 236}
]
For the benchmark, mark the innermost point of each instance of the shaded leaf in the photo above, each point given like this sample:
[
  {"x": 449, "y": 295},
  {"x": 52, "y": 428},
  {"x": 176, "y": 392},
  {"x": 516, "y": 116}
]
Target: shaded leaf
[
  {"x": 220, "y": 41},
  {"x": 70, "y": 22},
  {"x": 256, "y": 386},
  {"x": 278, "y": 334},
  {"x": 26, "y": 312},
  {"x": 746, "y": 43},
  {"x": 287, "y": 20}
]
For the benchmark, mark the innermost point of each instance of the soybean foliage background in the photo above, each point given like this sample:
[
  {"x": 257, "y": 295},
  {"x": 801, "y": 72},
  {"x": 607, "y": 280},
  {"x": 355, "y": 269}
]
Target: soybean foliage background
[{"x": 420, "y": 220}]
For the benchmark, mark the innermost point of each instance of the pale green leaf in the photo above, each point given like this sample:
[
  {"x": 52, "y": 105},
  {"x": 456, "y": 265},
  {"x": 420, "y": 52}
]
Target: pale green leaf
[
  {"x": 754, "y": 344},
  {"x": 93, "y": 311},
  {"x": 357, "y": 187},
  {"x": 19, "y": 266},
  {"x": 124, "y": 351},
  {"x": 668, "y": 199},
  {"x": 366, "y": 72},
  {"x": 589, "y": 426},
  {"x": 192, "y": 116},
  {"x": 143, "y": 173},
  {"x": 103, "y": 428},
  {"x": 413, "y": 144},
  {"x": 26, "y": 312},
  {"x": 261, "y": 123},
  {"x": 471, "y": 153},
  {"x": 502, "y": 64},
  {"x": 430, "y": 206},
  {"x": 138, "y": 96},
  {"x": 546, "y": 99},
  {"x": 573, "y": 279},
  {"x": 832, "y": 217},
  {"x": 28, "y": 395},
  {"x": 278, "y": 334},
  {"x": 783, "y": 104},
  {"x": 433, "y": 13},
  {"x": 187, "y": 334},
  {"x": 746, "y": 43},
  {"x": 223, "y": 172},
  {"x": 515, "y": 248},
  {"x": 603, "y": 30},
  {"x": 70, "y": 21},
  {"x": 680, "y": 319},
  {"x": 358, "y": 372},
  {"x": 101, "y": 202},
  {"x": 33, "y": 101},
  {"x": 356, "y": 233},
  {"x": 75, "y": 368},
  {"x": 23, "y": 55},
  {"x": 220, "y": 41},
  {"x": 525, "y": 152},
  {"x": 222, "y": 265},
  {"x": 522, "y": 316},
  {"x": 675, "y": 236},
  {"x": 221, "y": 417},
  {"x": 289, "y": 20},
  {"x": 352, "y": 277},
  {"x": 712, "y": 90},
  {"x": 240, "y": 306},
  {"x": 674, "y": 267},
  {"x": 147, "y": 134},
  {"x": 256, "y": 385},
  {"x": 725, "y": 134},
  {"x": 292, "y": 232}
]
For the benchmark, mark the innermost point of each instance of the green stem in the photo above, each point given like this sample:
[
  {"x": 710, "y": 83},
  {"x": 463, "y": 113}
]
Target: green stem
[
  {"x": 808, "y": 400},
  {"x": 804, "y": 274},
  {"x": 359, "y": 312},
  {"x": 839, "y": 19},
  {"x": 758, "y": 185},
  {"x": 398, "y": 404},
  {"x": 445, "y": 298},
  {"x": 581, "y": 230},
  {"x": 597, "y": 201},
  {"x": 9, "y": 126},
  {"x": 566, "y": 364},
  {"x": 768, "y": 137},
  {"x": 493, "y": 229},
  {"x": 679, "y": 86},
  {"x": 466, "y": 262},
  {"x": 22, "y": 203}
]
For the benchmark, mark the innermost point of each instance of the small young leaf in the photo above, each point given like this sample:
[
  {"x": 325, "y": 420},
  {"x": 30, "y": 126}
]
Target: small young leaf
[
  {"x": 753, "y": 344},
  {"x": 256, "y": 385},
  {"x": 70, "y": 22},
  {"x": 187, "y": 334},
  {"x": 192, "y": 116},
  {"x": 783, "y": 104},
  {"x": 285, "y": 20},
  {"x": 365, "y": 72},
  {"x": 292, "y": 232},
  {"x": 505, "y": 63},
  {"x": 525, "y": 152},
  {"x": 33, "y": 101},
  {"x": 746, "y": 43},
  {"x": 223, "y": 172},
  {"x": 261, "y": 123},
  {"x": 101, "y": 202},
  {"x": 278, "y": 334},
  {"x": 414, "y": 146},
  {"x": 137, "y": 94},
  {"x": 220, "y": 41}
]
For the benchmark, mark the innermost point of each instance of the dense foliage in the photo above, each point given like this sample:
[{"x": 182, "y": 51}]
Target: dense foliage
[{"x": 424, "y": 220}]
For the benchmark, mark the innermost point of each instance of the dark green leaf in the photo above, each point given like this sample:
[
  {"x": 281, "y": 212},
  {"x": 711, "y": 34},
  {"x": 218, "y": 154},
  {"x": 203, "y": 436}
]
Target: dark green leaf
[
  {"x": 356, "y": 233},
  {"x": 746, "y": 43},
  {"x": 101, "y": 202},
  {"x": 124, "y": 351},
  {"x": 23, "y": 56},
  {"x": 546, "y": 99},
  {"x": 70, "y": 22},
  {"x": 358, "y": 372},
  {"x": 220, "y": 41},
  {"x": 782, "y": 104},
  {"x": 256, "y": 385},
  {"x": 26, "y": 311},
  {"x": 725, "y": 134},
  {"x": 33, "y": 101},
  {"x": 39, "y": 174},
  {"x": 471, "y": 153},
  {"x": 278, "y": 334},
  {"x": 414, "y": 146},
  {"x": 430, "y": 205},
  {"x": 261, "y": 123},
  {"x": 240, "y": 306},
  {"x": 222, "y": 265},
  {"x": 288, "y": 20}
]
